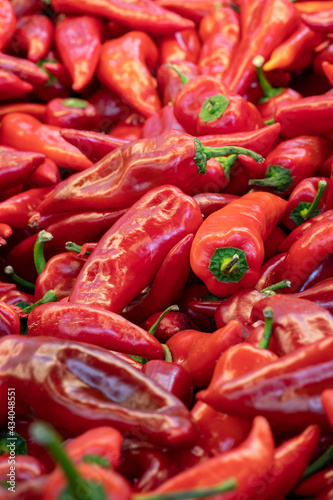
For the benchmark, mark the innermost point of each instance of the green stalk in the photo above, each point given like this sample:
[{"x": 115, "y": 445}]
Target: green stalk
[
  {"x": 9, "y": 270},
  {"x": 209, "y": 491},
  {"x": 39, "y": 259},
  {"x": 268, "y": 329}
]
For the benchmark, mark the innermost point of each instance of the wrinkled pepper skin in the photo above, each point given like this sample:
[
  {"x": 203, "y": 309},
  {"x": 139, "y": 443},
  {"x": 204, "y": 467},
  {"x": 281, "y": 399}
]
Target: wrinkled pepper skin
[
  {"x": 242, "y": 226},
  {"x": 93, "y": 326},
  {"x": 9, "y": 320},
  {"x": 130, "y": 254},
  {"x": 287, "y": 391},
  {"x": 123, "y": 67},
  {"x": 78, "y": 401}
]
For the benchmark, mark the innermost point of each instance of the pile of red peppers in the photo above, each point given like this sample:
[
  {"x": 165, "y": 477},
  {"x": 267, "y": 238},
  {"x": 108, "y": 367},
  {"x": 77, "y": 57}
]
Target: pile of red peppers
[{"x": 166, "y": 249}]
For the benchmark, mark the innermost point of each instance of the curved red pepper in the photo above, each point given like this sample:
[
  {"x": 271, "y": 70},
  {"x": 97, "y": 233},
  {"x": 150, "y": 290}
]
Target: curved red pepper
[
  {"x": 316, "y": 484},
  {"x": 181, "y": 46},
  {"x": 321, "y": 22},
  {"x": 81, "y": 398},
  {"x": 30, "y": 108},
  {"x": 164, "y": 212},
  {"x": 16, "y": 166},
  {"x": 123, "y": 67},
  {"x": 46, "y": 174},
  {"x": 80, "y": 54},
  {"x": 143, "y": 15},
  {"x": 26, "y": 133},
  {"x": 26, "y": 70},
  {"x": 12, "y": 87},
  {"x": 33, "y": 36},
  {"x": 7, "y": 22},
  {"x": 71, "y": 113},
  {"x": 170, "y": 83},
  {"x": 228, "y": 249},
  {"x": 18, "y": 209}
]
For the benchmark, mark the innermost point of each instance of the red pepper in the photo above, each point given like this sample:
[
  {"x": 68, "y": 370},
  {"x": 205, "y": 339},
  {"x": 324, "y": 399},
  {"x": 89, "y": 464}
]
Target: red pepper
[
  {"x": 173, "y": 377},
  {"x": 169, "y": 81},
  {"x": 199, "y": 351},
  {"x": 12, "y": 87},
  {"x": 291, "y": 161},
  {"x": 5, "y": 232},
  {"x": 123, "y": 67},
  {"x": 16, "y": 166},
  {"x": 18, "y": 209},
  {"x": 129, "y": 129},
  {"x": 307, "y": 253},
  {"x": 220, "y": 33},
  {"x": 328, "y": 70},
  {"x": 59, "y": 275},
  {"x": 33, "y": 36},
  {"x": 273, "y": 242},
  {"x": 172, "y": 323},
  {"x": 163, "y": 419},
  {"x": 30, "y": 108},
  {"x": 26, "y": 468},
  {"x": 296, "y": 52},
  {"x": 314, "y": 5},
  {"x": 80, "y": 54},
  {"x": 269, "y": 24},
  {"x": 71, "y": 113},
  {"x": 253, "y": 458},
  {"x": 157, "y": 124},
  {"x": 13, "y": 297},
  {"x": 26, "y": 70},
  {"x": 211, "y": 202},
  {"x": 306, "y": 201},
  {"x": 296, "y": 322},
  {"x": 167, "y": 285},
  {"x": 287, "y": 391},
  {"x": 181, "y": 46},
  {"x": 191, "y": 9},
  {"x": 26, "y": 133},
  {"x": 25, "y": 7},
  {"x": 321, "y": 21},
  {"x": 93, "y": 145},
  {"x": 58, "y": 70},
  {"x": 7, "y": 23},
  {"x": 93, "y": 326},
  {"x": 110, "y": 106},
  {"x": 318, "y": 483},
  {"x": 46, "y": 174},
  {"x": 310, "y": 115},
  {"x": 143, "y": 15},
  {"x": 176, "y": 217},
  {"x": 225, "y": 258},
  {"x": 9, "y": 320},
  {"x": 171, "y": 158}
]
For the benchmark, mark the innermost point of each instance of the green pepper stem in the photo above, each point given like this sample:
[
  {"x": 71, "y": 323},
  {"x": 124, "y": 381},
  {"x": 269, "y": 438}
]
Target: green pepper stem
[
  {"x": 46, "y": 436},
  {"x": 74, "y": 247},
  {"x": 74, "y": 102},
  {"x": 308, "y": 213},
  {"x": 153, "y": 328},
  {"x": 226, "y": 163},
  {"x": 39, "y": 259},
  {"x": 270, "y": 122},
  {"x": 268, "y": 328},
  {"x": 9, "y": 270},
  {"x": 49, "y": 296},
  {"x": 267, "y": 88},
  {"x": 209, "y": 491},
  {"x": 319, "y": 463},
  {"x": 227, "y": 265},
  {"x": 167, "y": 353},
  {"x": 183, "y": 78},
  {"x": 276, "y": 286}
]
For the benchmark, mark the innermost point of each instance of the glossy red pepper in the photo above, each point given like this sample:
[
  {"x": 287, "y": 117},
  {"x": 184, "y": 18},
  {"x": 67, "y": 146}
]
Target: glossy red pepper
[
  {"x": 287, "y": 391},
  {"x": 79, "y": 402},
  {"x": 181, "y": 46},
  {"x": 16, "y": 166},
  {"x": 220, "y": 32},
  {"x": 173, "y": 377},
  {"x": 199, "y": 351},
  {"x": 167, "y": 285},
  {"x": 225, "y": 259},
  {"x": 123, "y": 67},
  {"x": 321, "y": 21},
  {"x": 176, "y": 217},
  {"x": 10, "y": 322},
  {"x": 292, "y": 161},
  {"x": 253, "y": 458},
  {"x": 33, "y": 37},
  {"x": 12, "y": 87},
  {"x": 143, "y": 15},
  {"x": 296, "y": 322},
  {"x": 59, "y": 275},
  {"x": 7, "y": 22},
  {"x": 71, "y": 113},
  {"x": 172, "y": 323},
  {"x": 129, "y": 129},
  {"x": 24, "y": 69},
  {"x": 211, "y": 202},
  {"x": 80, "y": 54},
  {"x": 26, "y": 133},
  {"x": 269, "y": 24},
  {"x": 170, "y": 83},
  {"x": 171, "y": 158},
  {"x": 18, "y": 209},
  {"x": 30, "y": 108},
  {"x": 46, "y": 174}
]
